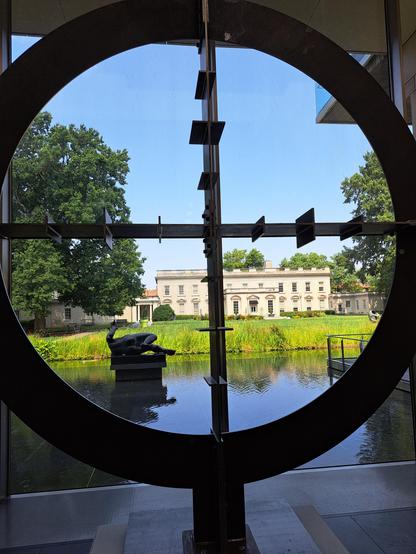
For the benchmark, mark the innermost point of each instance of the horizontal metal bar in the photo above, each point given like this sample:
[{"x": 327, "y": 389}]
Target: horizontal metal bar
[
  {"x": 189, "y": 231},
  {"x": 213, "y": 329},
  {"x": 95, "y": 231}
]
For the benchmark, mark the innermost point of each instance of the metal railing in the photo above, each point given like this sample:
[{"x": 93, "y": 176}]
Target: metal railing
[{"x": 342, "y": 340}]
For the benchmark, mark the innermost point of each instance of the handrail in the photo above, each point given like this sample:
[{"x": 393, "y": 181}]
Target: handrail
[{"x": 358, "y": 337}]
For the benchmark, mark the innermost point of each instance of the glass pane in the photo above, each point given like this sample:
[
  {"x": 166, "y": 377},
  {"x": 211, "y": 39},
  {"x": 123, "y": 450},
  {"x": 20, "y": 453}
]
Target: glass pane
[
  {"x": 85, "y": 152},
  {"x": 279, "y": 158}
]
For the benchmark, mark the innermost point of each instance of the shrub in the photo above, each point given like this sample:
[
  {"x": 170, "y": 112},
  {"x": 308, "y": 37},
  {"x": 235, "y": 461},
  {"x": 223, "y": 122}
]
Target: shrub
[
  {"x": 307, "y": 313},
  {"x": 330, "y": 312},
  {"x": 46, "y": 348},
  {"x": 185, "y": 317},
  {"x": 279, "y": 340},
  {"x": 163, "y": 313}
]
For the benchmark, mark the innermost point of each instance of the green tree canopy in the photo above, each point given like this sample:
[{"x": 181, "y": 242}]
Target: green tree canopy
[
  {"x": 243, "y": 259},
  {"x": 71, "y": 174},
  {"x": 37, "y": 277},
  {"x": 367, "y": 191},
  {"x": 306, "y": 261},
  {"x": 343, "y": 275}
]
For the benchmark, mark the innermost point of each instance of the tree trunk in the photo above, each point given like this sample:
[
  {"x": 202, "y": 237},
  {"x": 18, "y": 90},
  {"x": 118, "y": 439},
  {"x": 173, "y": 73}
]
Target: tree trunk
[{"x": 40, "y": 323}]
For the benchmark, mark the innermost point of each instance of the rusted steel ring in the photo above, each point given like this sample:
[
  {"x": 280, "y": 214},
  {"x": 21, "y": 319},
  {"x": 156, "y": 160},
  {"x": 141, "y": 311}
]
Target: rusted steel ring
[{"x": 82, "y": 429}]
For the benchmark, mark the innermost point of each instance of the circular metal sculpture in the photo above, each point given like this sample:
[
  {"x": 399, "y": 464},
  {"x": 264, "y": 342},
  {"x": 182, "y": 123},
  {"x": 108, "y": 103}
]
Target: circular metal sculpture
[{"x": 82, "y": 429}]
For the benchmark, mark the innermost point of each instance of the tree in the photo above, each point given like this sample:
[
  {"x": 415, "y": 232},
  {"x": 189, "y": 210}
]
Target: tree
[
  {"x": 343, "y": 276},
  {"x": 305, "y": 261},
  {"x": 70, "y": 173},
  {"x": 234, "y": 259},
  {"x": 372, "y": 256},
  {"x": 38, "y": 274},
  {"x": 241, "y": 259},
  {"x": 254, "y": 258}
]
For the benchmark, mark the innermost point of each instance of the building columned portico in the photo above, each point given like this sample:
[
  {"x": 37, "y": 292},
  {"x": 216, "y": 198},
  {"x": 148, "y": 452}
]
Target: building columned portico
[{"x": 265, "y": 292}]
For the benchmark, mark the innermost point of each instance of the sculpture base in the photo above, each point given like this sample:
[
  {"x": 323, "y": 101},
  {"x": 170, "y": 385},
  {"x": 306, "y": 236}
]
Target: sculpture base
[
  {"x": 138, "y": 368},
  {"x": 248, "y": 547}
]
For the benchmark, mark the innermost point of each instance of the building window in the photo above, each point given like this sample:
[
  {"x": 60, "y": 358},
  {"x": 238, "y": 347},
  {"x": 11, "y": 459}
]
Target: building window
[
  {"x": 357, "y": 304},
  {"x": 364, "y": 305},
  {"x": 181, "y": 289},
  {"x": 236, "y": 310},
  {"x": 294, "y": 287},
  {"x": 348, "y": 304},
  {"x": 253, "y": 306},
  {"x": 270, "y": 307},
  {"x": 280, "y": 287},
  {"x": 196, "y": 308},
  {"x": 181, "y": 308},
  {"x": 308, "y": 308},
  {"x": 195, "y": 289},
  {"x": 308, "y": 300},
  {"x": 321, "y": 286},
  {"x": 307, "y": 287},
  {"x": 244, "y": 284},
  {"x": 229, "y": 286},
  {"x": 281, "y": 310},
  {"x": 167, "y": 290},
  {"x": 321, "y": 305},
  {"x": 260, "y": 285},
  {"x": 339, "y": 307},
  {"x": 295, "y": 309},
  {"x": 67, "y": 314}
]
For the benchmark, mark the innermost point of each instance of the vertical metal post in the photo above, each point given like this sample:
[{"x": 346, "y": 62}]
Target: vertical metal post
[
  {"x": 412, "y": 376},
  {"x": 329, "y": 348},
  {"x": 342, "y": 355},
  {"x": 5, "y": 259},
  {"x": 394, "y": 53},
  {"x": 330, "y": 368},
  {"x": 214, "y": 257},
  {"x": 218, "y": 503}
]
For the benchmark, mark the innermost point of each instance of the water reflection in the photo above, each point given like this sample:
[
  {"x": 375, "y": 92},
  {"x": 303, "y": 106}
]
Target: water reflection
[
  {"x": 261, "y": 390},
  {"x": 139, "y": 400}
]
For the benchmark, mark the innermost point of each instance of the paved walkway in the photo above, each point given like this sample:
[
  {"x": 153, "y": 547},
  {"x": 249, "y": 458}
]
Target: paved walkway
[{"x": 370, "y": 508}]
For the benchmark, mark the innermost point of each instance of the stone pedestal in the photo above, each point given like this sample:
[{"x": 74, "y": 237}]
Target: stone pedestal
[{"x": 138, "y": 368}]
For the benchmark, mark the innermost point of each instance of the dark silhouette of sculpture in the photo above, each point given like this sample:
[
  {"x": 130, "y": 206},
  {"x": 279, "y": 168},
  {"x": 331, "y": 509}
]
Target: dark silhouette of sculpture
[{"x": 135, "y": 344}]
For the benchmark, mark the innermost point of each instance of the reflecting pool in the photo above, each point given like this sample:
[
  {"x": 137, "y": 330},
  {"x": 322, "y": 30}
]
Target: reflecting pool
[{"x": 262, "y": 388}]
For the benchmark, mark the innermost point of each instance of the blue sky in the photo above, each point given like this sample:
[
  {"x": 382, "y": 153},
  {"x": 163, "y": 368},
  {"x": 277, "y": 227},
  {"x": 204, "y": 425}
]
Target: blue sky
[{"x": 275, "y": 160}]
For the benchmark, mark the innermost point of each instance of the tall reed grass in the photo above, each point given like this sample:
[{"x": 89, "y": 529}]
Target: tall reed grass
[{"x": 184, "y": 337}]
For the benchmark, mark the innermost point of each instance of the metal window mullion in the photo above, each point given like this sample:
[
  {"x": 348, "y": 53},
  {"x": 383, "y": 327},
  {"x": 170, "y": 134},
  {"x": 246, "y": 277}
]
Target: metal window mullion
[
  {"x": 394, "y": 54},
  {"x": 397, "y": 92},
  {"x": 5, "y": 252}
]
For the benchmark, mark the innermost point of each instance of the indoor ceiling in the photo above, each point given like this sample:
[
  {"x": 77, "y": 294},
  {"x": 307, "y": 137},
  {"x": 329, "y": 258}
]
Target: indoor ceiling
[{"x": 355, "y": 25}]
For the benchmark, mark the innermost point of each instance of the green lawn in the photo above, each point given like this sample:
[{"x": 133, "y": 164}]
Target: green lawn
[{"x": 182, "y": 336}]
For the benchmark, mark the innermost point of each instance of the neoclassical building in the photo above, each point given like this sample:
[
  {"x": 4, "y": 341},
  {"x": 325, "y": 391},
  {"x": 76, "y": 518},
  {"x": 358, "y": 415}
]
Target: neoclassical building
[{"x": 264, "y": 292}]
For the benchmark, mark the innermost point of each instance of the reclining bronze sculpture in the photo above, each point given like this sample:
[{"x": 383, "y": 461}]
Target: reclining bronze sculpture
[{"x": 134, "y": 344}]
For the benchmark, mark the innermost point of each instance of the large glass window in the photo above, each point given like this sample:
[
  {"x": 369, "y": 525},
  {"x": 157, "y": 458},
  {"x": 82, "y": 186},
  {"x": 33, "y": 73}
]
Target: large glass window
[{"x": 277, "y": 136}]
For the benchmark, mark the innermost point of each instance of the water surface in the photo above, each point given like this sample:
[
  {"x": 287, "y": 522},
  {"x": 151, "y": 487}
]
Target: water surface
[{"x": 262, "y": 389}]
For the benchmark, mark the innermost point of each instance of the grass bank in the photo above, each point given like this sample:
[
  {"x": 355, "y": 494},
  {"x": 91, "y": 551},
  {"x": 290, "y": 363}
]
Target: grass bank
[{"x": 182, "y": 336}]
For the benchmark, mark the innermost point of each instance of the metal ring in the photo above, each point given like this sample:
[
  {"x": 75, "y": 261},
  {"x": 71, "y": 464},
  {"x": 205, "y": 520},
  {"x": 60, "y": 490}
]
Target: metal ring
[{"x": 82, "y": 429}]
